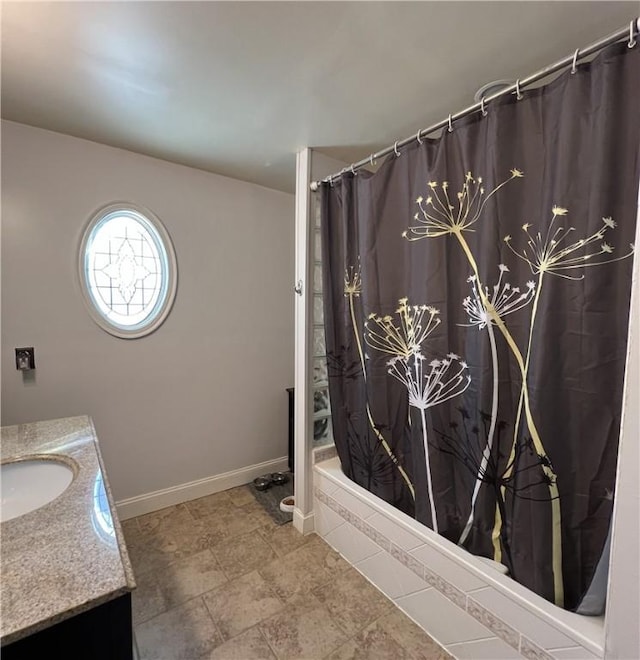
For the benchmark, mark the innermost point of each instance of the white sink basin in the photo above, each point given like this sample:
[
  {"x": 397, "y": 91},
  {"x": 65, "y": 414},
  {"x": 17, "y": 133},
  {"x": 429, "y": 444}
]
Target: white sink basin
[{"x": 27, "y": 485}]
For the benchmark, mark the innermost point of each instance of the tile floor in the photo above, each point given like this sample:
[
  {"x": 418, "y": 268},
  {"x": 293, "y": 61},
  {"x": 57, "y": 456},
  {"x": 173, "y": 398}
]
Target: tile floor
[{"x": 218, "y": 579}]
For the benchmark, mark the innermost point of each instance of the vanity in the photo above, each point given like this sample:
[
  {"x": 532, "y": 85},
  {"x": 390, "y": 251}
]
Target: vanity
[{"x": 66, "y": 578}]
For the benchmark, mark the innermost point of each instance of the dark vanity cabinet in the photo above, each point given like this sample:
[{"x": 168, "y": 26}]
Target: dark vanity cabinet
[{"x": 101, "y": 633}]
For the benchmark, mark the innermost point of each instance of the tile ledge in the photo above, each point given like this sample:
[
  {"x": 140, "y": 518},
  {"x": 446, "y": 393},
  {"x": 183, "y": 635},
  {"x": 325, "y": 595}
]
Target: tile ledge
[{"x": 584, "y": 633}]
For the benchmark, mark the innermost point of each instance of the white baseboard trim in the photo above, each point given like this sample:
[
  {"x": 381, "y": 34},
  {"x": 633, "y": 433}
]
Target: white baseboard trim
[
  {"x": 159, "y": 499},
  {"x": 304, "y": 524}
]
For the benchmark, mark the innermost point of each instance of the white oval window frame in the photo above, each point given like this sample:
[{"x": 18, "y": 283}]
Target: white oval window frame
[{"x": 155, "y": 319}]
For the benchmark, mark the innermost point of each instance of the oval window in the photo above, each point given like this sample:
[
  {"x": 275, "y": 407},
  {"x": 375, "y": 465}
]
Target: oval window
[{"x": 128, "y": 270}]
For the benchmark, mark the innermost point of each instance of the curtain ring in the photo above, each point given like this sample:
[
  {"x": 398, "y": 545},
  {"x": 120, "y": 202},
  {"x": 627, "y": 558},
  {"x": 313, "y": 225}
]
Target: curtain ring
[
  {"x": 484, "y": 112},
  {"x": 450, "y": 129},
  {"x": 371, "y": 161},
  {"x": 418, "y": 137},
  {"x": 632, "y": 41},
  {"x": 575, "y": 60},
  {"x": 353, "y": 171},
  {"x": 395, "y": 149},
  {"x": 331, "y": 181},
  {"x": 518, "y": 94}
]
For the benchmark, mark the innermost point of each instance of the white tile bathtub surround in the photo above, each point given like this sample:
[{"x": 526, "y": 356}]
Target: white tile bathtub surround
[
  {"x": 401, "y": 537},
  {"x": 501, "y": 629},
  {"x": 532, "y": 651},
  {"x": 449, "y": 570},
  {"x": 443, "y": 620},
  {"x": 352, "y": 544},
  {"x": 353, "y": 504},
  {"x": 324, "y": 485},
  {"x": 506, "y": 612},
  {"x": 324, "y": 453},
  {"x": 390, "y": 576},
  {"x": 366, "y": 548},
  {"x": 407, "y": 560},
  {"x": 379, "y": 538},
  {"x": 527, "y": 623},
  {"x": 485, "y": 649},
  {"x": 326, "y": 520},
  {"x": 573, "y": 653},
  {"x": 446, "y": 589}
]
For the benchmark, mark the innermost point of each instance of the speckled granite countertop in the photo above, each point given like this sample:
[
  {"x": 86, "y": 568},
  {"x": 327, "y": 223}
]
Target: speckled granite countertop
[{"x": 69, "y": 555}]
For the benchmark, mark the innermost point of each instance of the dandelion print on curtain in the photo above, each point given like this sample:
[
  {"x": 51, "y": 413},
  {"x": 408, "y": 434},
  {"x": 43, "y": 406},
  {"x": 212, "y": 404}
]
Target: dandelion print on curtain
[{"x": 476, "y": 295}]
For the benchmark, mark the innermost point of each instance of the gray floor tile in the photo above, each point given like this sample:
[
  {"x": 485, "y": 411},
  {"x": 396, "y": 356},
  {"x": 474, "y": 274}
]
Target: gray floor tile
[
  {"x": 198, "y": 586},
  {"x": 150, "y": 552},
  {"x": 372, "y": 643},
  {"x": 241, "y": 495},
  {"x": 283, "y": 538},
  {"x": 182, "y": 633},
  {"x": 164, "y": 518},
  {"x": 228, "y": 523},
  {"x": 186, "y": 578},
  {"x": 302, "y": 633},
  {"x": 243, "y": 554},
  {"x": 205, "y": 506},
  {"x": 129, "y": 526},
  {"x": 294, "y": 574},
  {"x": 352, "y": 601},
  {"x": 318, "y": 550},
  {"x": 241, "y": 604},
  {"x": 411, "y": 637},
  {"x": 147, "y": 600},
  {"x": 249, "y": 645}
]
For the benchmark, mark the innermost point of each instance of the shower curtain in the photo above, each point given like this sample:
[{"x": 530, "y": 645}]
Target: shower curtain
[{"x": 477, "y": 293}]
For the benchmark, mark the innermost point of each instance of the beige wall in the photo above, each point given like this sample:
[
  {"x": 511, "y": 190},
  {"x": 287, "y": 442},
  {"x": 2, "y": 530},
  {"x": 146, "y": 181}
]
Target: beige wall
[{"x": 204, "y": 394}]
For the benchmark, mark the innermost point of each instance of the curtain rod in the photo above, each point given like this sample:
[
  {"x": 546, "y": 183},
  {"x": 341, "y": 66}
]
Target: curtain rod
[{"x": 631, "y": 31}]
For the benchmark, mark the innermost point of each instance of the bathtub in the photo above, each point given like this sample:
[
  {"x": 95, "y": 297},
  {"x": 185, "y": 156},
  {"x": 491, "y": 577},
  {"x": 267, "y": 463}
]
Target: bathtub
[{"x": 469, "y": 608}]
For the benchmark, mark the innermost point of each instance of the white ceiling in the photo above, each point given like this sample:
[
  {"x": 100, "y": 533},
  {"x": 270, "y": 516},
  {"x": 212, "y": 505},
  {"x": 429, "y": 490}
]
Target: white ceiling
[{"x": 237, "y": 88}]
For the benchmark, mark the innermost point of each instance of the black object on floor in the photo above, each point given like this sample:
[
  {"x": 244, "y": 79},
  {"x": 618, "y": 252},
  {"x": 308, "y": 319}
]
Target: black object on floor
[
  {"x": 291, "y": 393},
  {"x": 270, "y": 500}
]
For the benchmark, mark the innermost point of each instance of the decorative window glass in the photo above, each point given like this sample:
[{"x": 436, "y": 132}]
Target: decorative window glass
[
  {"x": 322, "y": 431},
  {"x": 127, "y": 270}
]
